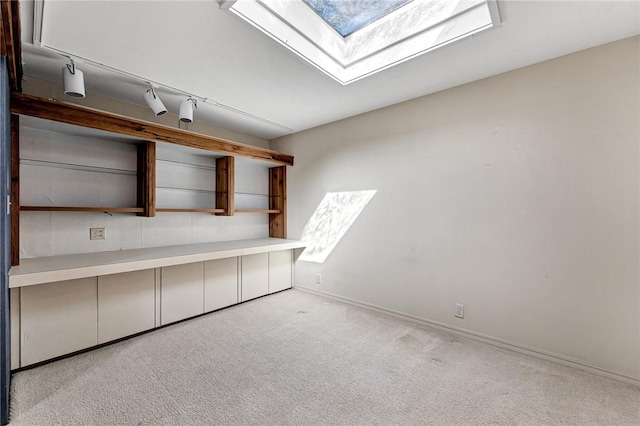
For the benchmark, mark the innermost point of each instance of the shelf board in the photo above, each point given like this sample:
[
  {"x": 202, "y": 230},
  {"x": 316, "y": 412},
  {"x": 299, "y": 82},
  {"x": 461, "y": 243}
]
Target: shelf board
[
  {"x": 82, "y": 209},
  {"x": 191, "y": 210},
  {"x": 82, "y": 265},
  {"x": 256, "y": 211},
  {"x": 65, "y": 112}
]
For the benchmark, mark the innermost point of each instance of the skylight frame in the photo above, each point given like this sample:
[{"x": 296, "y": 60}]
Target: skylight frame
[{"x": 298, "y": 27}]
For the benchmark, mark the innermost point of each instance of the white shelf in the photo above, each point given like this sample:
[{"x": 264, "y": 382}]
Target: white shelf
[{"x": 68, "y": 267}]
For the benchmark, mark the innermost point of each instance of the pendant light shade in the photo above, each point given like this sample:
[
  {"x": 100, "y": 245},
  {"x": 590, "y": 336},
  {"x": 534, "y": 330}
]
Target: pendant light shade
[
  {"x": 154, "y": 102},
  {"x": 186, "y": 110},
  {"x": 73, "y": 81}
]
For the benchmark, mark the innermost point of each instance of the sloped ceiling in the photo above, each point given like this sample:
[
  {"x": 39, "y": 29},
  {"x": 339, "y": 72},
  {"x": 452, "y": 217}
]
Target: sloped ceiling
[{"x": 265, "y": 90}]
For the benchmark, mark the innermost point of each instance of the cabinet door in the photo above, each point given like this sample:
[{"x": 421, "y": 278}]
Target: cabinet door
[
  {"x": 279, "y": 270},
  {"x": 182, "y": 292},
  {"x": 58, "y": 318},
  {"x": 15, "y": 327},
  {"x": 220, "y": 283},
  {"x": 126, "y": 304},
  {"x": 255, "y": 276}
]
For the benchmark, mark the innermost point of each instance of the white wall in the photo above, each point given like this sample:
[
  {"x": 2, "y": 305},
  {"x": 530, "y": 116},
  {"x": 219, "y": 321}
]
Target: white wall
[{"x": 515, "y": 195}]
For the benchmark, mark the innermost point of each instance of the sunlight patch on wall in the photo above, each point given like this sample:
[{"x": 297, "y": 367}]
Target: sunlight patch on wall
[{"x": 331, "y": 220}]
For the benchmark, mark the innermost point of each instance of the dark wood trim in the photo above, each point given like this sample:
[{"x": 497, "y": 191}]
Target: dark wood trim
[
  {"x": 88, "y": 117},
  {"x": 147, "y": 178},
  {"x": 15, "y": 190},
  {"x": 11, "y": 42},
  {"x": 278, "y": 202},
  {"x": 4, "y": 25},
  {"x": 81, "y": 209},
  {"x": 225, "y": 185},
  {"x": 141, "y": 181},
  {"x": 191, "y": 210}
]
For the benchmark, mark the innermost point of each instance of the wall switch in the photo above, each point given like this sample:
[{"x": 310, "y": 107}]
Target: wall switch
[
  {"x": 97, "y": 234},
  {"x": 318, "y": 278},
  {"x": 459, "y": 310}
]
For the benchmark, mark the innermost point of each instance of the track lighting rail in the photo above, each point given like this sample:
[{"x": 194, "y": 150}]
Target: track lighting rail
[{"x": 155, "y": 84}]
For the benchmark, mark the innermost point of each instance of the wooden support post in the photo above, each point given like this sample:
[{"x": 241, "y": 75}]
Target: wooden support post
[
  {"x": 15, "y": 190},
  {"x": 278, "y": 201},
  {"x": 10, "y": 44},
  {"x": 225, "y": 185},
  {"x": 147, "y": 178}
]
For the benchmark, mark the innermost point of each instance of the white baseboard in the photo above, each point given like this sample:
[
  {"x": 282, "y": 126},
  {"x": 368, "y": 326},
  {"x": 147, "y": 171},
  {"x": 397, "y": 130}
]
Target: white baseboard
[{"x": 494, "y": 341}]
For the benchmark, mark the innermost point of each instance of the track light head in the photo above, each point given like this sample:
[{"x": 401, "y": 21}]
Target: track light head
[
  {"x": 154, "y": 102},
  {"x": 73, "y": 80},
  {"x": 186, "y": 110}
]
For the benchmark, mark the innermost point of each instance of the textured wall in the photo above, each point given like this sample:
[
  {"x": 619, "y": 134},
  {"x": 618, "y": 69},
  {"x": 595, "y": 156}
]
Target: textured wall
[{"x": 516, "y": 195}]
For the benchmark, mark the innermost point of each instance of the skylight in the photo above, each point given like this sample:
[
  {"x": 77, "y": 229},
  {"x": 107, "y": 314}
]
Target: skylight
[
  {"x": 394, "y": 30},
  {"x": 347, "y": 17}
]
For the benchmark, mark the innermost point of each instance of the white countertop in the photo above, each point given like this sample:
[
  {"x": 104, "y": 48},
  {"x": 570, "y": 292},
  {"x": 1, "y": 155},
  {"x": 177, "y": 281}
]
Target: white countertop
[{"x": 68, "y": 267}]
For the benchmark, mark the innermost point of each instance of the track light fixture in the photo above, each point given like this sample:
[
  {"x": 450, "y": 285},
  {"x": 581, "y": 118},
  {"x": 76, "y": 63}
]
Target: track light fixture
[
  {"x": 154, "y": 102},
  {"x": 73, "y": 80},
  {"x": 186, "y": 109}
]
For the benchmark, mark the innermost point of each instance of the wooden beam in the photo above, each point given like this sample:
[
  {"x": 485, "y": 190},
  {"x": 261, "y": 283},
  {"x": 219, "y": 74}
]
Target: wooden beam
[
  {"x": 147, "y": 178},
  {"x": 225, "y": 185},
  {"x": 10, "y": 45},
  {"x": 96, "y": 119},
  {"x": 82, "y": 209},
  {"x": 15, "y": 190},
  {"x": 278, "y": 201}
]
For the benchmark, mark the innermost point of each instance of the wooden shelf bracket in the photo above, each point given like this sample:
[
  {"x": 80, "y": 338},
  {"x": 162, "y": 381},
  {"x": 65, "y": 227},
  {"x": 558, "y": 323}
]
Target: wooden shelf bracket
[
  {"x": 225, "y": 185},
  {"x": 278, "y": 201},
  {"x": 147, "y": 178}
]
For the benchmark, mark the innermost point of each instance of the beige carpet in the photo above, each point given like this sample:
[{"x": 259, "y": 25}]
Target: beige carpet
[{"x": 297, "y": 358}]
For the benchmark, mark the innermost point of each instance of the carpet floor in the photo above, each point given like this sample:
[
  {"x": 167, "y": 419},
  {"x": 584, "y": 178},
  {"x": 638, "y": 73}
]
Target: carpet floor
[{"x": 301, "y": 359}]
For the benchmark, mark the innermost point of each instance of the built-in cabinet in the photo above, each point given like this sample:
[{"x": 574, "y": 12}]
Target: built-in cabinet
[
  {"x": 255, "y": 276},
  {"x": 58, "y": 318},
  {"x": 67, "y": 158},
  {"x": 182, "y": 292},
  {"x": 280, "y": 270},
  {"x": 63, "y": 317},
  {"x": 221, "y": 287},
  {"x": 126, "y": 304}
]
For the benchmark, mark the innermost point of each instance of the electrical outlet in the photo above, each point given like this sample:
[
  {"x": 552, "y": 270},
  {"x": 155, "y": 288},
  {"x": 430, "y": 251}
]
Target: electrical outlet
[
  {"x": 97, "y": 234},
  {"x": 459, "y": 310},
  {"x": 318, "y": 278}
]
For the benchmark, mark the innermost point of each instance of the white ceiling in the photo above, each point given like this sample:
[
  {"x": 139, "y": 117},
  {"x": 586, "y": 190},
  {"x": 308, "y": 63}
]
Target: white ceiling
[{"x": 265, "y": 89}]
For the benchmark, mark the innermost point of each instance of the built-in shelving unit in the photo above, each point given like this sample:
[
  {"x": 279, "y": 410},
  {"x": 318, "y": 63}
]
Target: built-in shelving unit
[
  {"x": 196, "y": 182},
  {"x": 63, "y": 304},
  {"x": 186, "y": 184}
]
